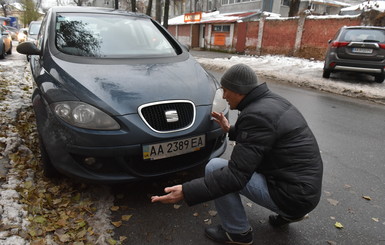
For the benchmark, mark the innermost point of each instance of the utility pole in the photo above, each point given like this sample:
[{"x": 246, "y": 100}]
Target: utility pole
[{"x": 116, "y": 4}]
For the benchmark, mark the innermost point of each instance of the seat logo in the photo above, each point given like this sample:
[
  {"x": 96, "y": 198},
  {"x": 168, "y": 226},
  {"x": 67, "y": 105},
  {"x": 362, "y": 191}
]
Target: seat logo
[{"x": 171, "y": 116}]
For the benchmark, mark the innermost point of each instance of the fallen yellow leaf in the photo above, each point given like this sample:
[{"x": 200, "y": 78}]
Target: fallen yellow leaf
[
  {"x": 213, "y": 213},
  {"x": 375, "y": 219},
  {"x": 338, "y": 225},
  {"x": 367, "y": 198},
  {"x": 117, "y": 223},
  {"x": 122, "y": 238},
  {"x": 177, "y": 206},
  {"x": 126, "y": 217},
  {"x": 114, "y": 208}
]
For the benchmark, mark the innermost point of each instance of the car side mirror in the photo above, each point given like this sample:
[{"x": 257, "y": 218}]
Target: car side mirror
[
  {"x": 28, "y": 48},
  {"x": 25, "y": 33},
  {"x": 329, "y": 41}
]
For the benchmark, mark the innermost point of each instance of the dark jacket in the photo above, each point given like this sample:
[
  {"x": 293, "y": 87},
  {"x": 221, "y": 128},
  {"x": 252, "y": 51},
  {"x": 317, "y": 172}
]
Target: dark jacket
[{"x": 272, "y": 138}]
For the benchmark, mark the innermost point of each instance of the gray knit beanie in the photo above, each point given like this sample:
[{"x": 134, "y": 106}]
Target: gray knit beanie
[{"x": 239, "y": 78}]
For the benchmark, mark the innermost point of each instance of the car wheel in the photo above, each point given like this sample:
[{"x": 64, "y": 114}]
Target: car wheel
[
  {"x": 326, "y": 73},
  {"x": 10, "y": 50},
  {"x": 2, "y": 55},
  {"x": 49, "y": 170},
  {"x": 379, "y": 78}
]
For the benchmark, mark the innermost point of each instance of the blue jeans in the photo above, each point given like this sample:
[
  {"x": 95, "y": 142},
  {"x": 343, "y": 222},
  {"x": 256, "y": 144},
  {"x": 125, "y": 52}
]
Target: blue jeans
[{"x": 230, "y": 208}]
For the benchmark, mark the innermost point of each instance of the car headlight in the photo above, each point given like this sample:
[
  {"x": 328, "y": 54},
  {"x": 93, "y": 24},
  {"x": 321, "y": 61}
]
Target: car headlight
[
  {"x": 83, "y": 115},
  {"x": 219, "y": 104}
]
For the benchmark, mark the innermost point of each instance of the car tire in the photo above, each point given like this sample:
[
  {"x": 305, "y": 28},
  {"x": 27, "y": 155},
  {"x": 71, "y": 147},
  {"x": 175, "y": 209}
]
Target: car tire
[
  {"x": 49, "y": 170},
  {"x": 379, "y": 78},
  {"x": 326, "y": 73},
  {"x": 2, "y": 54},
  {"x": 10, "y": 50}
]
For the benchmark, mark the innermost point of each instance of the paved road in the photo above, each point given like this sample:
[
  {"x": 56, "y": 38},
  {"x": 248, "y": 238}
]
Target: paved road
[{"x": 351, "y": 137}]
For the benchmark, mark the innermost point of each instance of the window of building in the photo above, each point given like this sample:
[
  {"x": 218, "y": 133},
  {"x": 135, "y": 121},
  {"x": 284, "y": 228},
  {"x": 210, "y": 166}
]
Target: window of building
[
  {"x": 222, "y": 28},
  {"x": 227, "y": 2},
  {"x": 285, "y": 2}
]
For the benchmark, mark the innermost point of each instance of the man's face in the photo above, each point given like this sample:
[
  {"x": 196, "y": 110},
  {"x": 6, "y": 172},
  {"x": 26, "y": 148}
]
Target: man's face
[{"x": 232, "y": 98}]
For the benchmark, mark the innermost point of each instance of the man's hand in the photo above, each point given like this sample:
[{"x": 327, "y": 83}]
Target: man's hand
[
  {"x": 221, "y": 120},
  {"x": 174, "y": 195}
]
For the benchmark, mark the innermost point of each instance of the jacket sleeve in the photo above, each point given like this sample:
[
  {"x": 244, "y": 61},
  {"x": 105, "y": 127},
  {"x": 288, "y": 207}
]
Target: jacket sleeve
[{"x": 254, "y": 136}]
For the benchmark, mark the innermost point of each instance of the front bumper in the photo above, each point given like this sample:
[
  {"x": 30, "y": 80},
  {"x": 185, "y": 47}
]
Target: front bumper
[
  {"x": 125, "y": 163},
  {"x": 117, "y": 156}
]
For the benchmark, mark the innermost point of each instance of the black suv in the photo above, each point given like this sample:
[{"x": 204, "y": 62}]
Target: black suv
[{"x": 357, "y": 49}]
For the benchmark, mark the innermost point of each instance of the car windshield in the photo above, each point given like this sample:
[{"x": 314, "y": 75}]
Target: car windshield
[
  {"x": 364, "y": 35},
  {"x": 96, "y": 35},
  {"x": 34, "y": 28}
]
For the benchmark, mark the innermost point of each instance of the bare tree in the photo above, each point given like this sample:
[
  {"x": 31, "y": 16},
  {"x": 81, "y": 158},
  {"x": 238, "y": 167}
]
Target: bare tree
[
  {"x": 78, "y": 2},
  {"x": 166, "y": 10},
  {"x": 294, "y": 8},
  {"x": 149, "y": 8},
  {"x": 4, "y": 7},
  {"x": 30, "y": 12},
  {"x": 158, "y": 11},
  {"x": 133, "y": 5}
]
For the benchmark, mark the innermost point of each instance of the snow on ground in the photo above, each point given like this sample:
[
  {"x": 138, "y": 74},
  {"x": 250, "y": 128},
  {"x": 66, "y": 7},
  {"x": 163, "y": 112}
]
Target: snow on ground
[
  {"x": 11, "y": 211},
  {"x": 303, "y": 72},
  {"x": 15, "y": 95},
  {"x": 16, "y": 91}
]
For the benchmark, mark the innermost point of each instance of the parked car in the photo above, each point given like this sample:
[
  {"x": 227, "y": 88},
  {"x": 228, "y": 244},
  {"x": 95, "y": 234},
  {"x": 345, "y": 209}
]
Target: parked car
[
  {"x": 13, "y": 31},
  {"x": 22, "y": 36},
  {"x": 357, "y": 49},
  {"x": 6, "y": 42},
  {"x": 117, "y": 98},
  {"x": 33, "y": 30}
]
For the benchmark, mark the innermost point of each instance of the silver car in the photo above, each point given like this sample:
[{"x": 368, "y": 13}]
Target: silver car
[{"x": 357, "y": 49}]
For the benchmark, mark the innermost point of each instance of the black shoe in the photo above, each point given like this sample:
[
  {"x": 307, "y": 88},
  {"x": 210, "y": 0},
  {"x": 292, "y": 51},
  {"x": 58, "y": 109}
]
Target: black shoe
[
  {"x": 218, "y": 234},
  {"x": 279, "y": 220}
]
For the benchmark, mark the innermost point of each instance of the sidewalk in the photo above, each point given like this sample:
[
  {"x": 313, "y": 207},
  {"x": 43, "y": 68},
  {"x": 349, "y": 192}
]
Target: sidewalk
[{"x": 297, "y": 72}]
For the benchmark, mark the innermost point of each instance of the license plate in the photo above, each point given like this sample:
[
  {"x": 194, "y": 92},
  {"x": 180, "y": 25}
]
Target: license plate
[
  {"x": 173, "y": 148},
  {"x": 362, "y": 50}
]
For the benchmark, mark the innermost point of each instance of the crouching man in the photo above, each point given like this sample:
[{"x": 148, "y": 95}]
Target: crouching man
[{"x": 275, "y": 163}]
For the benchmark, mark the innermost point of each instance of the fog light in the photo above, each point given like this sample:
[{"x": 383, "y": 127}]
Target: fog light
[{"x": 91, "y": 163}]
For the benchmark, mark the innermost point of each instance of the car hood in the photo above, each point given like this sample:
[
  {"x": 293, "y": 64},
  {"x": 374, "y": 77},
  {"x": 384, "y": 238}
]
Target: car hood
[{"x": 121, "y": 88}]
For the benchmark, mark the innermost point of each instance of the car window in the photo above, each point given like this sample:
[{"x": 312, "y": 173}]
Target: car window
[
  {"x": 40, "y": 36},
  {"x": 96, "y": 35},
  {"x": 363, "y": 35},
  {"x": 34, "y": 28}
]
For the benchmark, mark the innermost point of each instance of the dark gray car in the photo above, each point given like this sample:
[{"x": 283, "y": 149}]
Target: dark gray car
[
  {"x": 117, "y": 98},
  {"x": 357, "y": 49}
]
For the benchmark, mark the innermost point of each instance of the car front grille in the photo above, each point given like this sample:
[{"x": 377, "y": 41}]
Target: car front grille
[{"x": 154, "y": 115}]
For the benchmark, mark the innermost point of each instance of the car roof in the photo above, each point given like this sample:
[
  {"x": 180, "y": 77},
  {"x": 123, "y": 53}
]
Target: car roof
[
  {"x": 80, "y": 9},
  {"x": 364, "y": 27}
]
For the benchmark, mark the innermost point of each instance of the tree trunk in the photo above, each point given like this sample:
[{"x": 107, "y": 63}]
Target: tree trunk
[
  {"x": 158, "y": 12},
  {"x": 4, "y": 8},
  {"x": 133, "y": 5},
  {"x": 116, "y": 4},
  {"x": 149, "y": 8},
  {"x": 294, "y": 8},
  {"x": 165, "y": 16}
]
